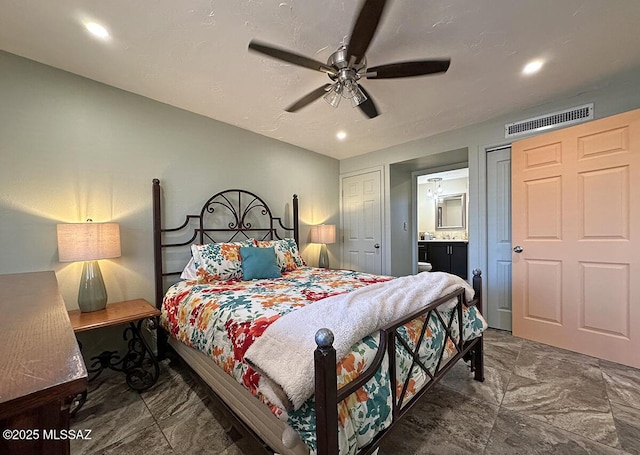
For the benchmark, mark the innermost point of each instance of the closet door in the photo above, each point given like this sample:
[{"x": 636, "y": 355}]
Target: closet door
[
  {"x": 362, "y": 222},
  {"x": 576, "y": 221},
  {"x": 498, "y": 276}
]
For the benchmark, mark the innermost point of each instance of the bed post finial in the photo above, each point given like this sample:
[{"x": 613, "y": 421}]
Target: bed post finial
[
  {"x": 324, "y": 338},
  {"x": 326, "y": 392}
]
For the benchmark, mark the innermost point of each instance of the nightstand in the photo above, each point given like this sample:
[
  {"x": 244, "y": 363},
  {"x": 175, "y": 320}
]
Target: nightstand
[{"x": 139, "y": 364}]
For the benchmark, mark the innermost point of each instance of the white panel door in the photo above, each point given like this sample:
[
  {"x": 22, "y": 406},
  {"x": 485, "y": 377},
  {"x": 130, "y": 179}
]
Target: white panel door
[
  {"x": 499, "y": 239},
  {"x": 576, "y": 216},
  {"x": 362, "y": 222}
]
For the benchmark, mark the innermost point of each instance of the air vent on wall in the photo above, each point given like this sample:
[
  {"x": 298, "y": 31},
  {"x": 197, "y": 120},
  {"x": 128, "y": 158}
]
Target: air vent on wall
[{"x": 553, "y": 120}]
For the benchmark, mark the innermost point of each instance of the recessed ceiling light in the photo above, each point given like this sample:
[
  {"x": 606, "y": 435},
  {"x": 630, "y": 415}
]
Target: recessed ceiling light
[
  {"x": 532, "y": 67},
  {"x": 341, "y": 135},
  {"x": 97, "y": 30}
]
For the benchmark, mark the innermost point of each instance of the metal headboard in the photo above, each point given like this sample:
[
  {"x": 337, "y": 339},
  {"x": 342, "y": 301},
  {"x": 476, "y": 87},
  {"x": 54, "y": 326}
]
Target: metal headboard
[{"x": 227, "y": 216}]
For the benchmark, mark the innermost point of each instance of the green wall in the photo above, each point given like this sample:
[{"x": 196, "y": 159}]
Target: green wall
[{"x": 72, "y": 148}]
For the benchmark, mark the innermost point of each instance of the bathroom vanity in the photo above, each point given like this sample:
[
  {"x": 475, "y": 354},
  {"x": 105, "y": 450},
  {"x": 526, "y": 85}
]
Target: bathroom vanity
[{"x": 445, "y": 255}]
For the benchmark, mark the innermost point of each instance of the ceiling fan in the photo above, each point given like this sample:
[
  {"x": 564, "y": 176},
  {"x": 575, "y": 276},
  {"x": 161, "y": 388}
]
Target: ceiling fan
[{"x": 348, "y": 64}]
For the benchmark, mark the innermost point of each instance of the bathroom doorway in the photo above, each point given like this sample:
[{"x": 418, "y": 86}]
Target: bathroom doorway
[
  {"x": 441, "y": 201},
  {"x": 442, "y": 205}
]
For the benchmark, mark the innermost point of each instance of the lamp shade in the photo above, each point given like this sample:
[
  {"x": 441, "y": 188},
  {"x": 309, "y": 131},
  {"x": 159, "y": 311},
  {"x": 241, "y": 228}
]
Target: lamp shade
[
  {"x": 323, "y": 233},
  {"x": 88, "y": 241}
]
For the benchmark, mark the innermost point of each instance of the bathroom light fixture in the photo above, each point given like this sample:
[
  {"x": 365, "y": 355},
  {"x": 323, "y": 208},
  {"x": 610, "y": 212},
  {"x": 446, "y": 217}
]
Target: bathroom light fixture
[
  {"x": 341, "y": 135},
  {"x": 89, "y": 242},
  {"x": 435, "y": 188}
]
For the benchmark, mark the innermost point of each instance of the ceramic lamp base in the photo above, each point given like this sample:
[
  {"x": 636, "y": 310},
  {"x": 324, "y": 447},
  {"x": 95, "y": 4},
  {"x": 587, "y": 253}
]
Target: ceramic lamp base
[
  {"x": 92, "y": 295},
  {"x": 323, "y": 260}
]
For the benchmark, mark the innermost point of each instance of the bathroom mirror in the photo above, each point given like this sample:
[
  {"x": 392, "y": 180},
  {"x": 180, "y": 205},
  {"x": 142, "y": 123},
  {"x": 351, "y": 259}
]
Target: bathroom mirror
[{"x": 451, "y": 210}]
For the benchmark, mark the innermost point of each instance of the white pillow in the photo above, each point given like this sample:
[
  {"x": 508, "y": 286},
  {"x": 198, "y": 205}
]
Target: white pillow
[{"x": 190, "y": 271}]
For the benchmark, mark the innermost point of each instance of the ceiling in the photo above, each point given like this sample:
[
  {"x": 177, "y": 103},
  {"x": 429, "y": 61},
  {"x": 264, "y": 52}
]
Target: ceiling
[
  {"x": 446, "y": 175},
  {"x": 193, "y": 54}
]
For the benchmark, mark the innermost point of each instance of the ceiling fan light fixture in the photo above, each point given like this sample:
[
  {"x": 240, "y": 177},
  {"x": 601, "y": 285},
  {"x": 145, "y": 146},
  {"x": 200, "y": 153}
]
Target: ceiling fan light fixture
[
  {"x": 349, "y": 89},
  {"x": 358, "y": 96},
  {"x": 347, "y": 65},
  {"x": 333, "y": 96}
]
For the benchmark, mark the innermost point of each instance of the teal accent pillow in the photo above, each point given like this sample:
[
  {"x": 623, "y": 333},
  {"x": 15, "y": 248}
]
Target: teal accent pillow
[{"x": 259, "y": 263}]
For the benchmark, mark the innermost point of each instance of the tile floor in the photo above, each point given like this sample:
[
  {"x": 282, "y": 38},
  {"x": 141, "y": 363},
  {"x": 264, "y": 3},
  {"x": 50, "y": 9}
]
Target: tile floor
[{"x": 535, "y": 400}]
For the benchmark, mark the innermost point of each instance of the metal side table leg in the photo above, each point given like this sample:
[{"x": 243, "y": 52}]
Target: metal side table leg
[{"x": 139, "y": 364}]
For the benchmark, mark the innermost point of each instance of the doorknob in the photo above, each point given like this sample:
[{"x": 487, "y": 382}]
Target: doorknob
[
  {"x": 518, "y": 249},
  {"x": 377, "y": 245}
]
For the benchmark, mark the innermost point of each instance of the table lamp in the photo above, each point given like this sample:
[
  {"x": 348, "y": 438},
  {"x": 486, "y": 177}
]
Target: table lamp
[
  {"x": 323, "y": 234},
  {"x": 89, "y": 242}
]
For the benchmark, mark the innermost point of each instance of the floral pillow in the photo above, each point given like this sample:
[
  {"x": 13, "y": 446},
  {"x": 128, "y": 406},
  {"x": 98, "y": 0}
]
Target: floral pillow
[
  {"x": 219, "y": 261},
  {"x": 287, "y": 253}
]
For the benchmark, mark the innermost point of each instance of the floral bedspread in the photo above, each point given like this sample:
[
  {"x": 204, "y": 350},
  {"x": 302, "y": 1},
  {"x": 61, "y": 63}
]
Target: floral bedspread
[{"x": 223, "y": 319}]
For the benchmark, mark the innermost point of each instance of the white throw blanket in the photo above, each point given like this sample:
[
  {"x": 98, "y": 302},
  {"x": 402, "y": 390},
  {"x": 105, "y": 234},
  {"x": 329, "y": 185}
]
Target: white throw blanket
[{"x": 283, "y": 354}]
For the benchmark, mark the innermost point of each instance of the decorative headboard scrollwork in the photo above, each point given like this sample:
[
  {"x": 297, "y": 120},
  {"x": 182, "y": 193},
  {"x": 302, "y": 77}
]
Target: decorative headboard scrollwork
[
  {"x": 244, "y": 213},
  {"x": 227, "y": 216}
]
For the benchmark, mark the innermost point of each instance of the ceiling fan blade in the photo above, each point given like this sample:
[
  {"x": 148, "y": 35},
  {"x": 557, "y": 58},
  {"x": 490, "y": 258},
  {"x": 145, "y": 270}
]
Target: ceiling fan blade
[
  {"x": 408, "y": 69},
  {"x": 290, "y": 57},
  {"x": 308, "y": 99},
  {"x": 364, "y": 28},
  {"x": 368, "y": 106}
]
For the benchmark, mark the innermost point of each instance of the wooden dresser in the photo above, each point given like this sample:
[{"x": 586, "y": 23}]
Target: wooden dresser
[{"x": 41, "y": 367}]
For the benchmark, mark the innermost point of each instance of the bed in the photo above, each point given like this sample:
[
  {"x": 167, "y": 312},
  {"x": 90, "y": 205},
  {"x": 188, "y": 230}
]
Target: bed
[{"x": 264, "y": 347}]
